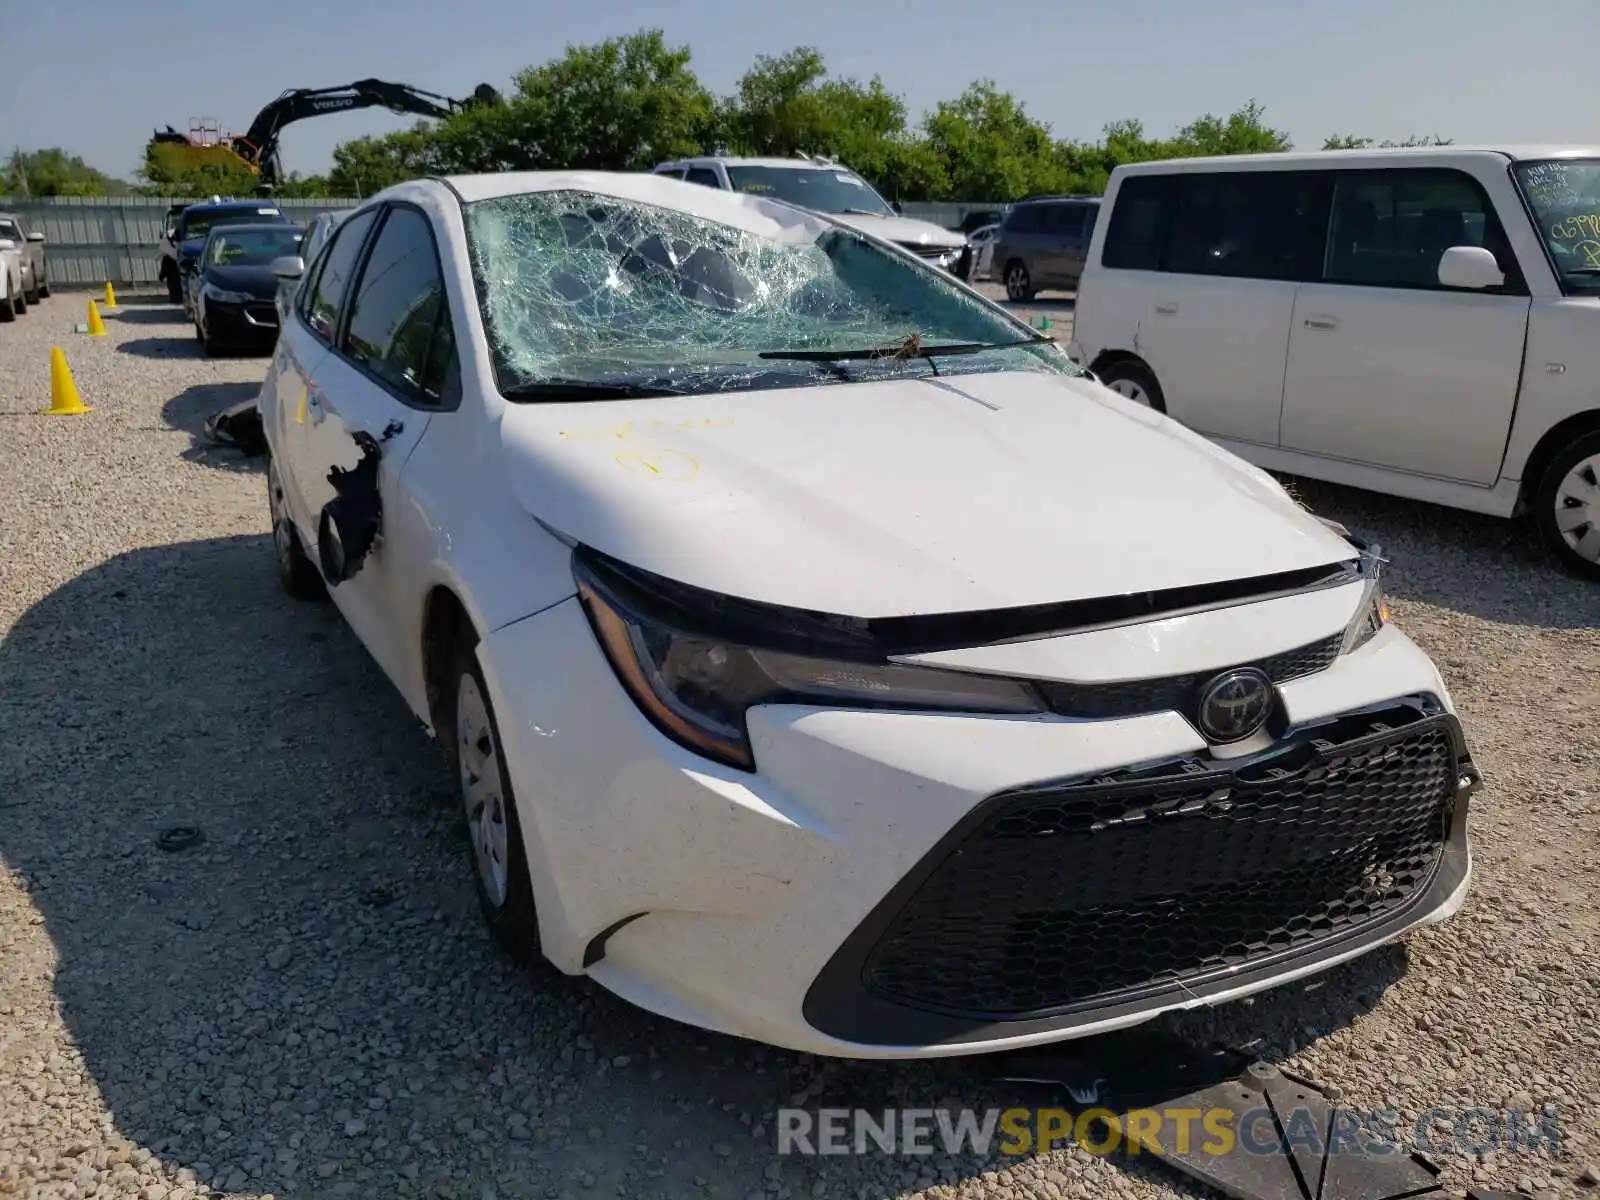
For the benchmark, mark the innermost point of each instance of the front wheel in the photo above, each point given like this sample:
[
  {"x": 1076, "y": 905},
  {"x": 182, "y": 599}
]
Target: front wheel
[
  {"x": 1019, "y": 284},
  {"x": 174, "y": 288},
  {"x": 44, "y": 287},
  {"x": 8, "y": 312},
  {"x": 1567, "y": 506},
  {"x": 469, "y": 731},
  {"x": 1134, "y": 381},
  {"x": 296, "y": 572}
]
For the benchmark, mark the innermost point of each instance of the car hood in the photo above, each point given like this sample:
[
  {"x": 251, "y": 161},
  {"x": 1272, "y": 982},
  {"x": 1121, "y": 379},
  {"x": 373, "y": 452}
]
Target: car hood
[
  {"x": 906, "y": 497},
  {"x": 252, "y": 281},
  {"x": 905, "y": 231}
]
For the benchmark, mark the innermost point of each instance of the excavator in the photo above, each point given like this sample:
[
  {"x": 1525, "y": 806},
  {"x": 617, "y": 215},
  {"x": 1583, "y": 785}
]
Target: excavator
[{"x": 258, "y": 146}]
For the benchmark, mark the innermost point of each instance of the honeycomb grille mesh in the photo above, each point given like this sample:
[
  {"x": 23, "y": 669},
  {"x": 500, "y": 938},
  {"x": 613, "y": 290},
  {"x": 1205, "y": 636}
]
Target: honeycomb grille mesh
[
  {"x": 1083, "y": 894},
  {"x": 1179, "y": 693}
]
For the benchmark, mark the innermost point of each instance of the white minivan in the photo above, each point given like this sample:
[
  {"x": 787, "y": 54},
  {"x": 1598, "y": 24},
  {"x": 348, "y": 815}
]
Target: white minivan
[{"x": 1423, "y": 322}]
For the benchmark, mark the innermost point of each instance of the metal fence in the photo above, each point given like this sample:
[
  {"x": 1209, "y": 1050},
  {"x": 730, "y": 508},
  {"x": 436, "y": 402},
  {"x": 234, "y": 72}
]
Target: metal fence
[
  {"x": 95, "y": 240},
  {"x": 91, "y": 241}
]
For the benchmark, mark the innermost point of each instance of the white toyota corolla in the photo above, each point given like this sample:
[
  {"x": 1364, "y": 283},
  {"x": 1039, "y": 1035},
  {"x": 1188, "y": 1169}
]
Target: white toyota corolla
[{"x": 823, "y": 657}]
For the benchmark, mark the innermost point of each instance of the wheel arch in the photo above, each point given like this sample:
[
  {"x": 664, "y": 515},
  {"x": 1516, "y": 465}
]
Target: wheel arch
[
  {"x": 1548, "y": 446},
  {"x": 444, "y": 618}
]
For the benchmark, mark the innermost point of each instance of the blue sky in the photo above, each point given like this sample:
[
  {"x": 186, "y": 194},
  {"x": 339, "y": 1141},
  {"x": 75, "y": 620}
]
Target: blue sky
[{"x": 97, "y": 76}]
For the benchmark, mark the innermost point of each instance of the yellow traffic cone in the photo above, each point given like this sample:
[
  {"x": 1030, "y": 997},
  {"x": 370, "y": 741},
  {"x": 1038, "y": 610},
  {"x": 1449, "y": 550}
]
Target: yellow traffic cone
[
  {"x": 97, "y": 327},
  {"x": 111, "y": 296},
  {"x": 64, "y": 399}
]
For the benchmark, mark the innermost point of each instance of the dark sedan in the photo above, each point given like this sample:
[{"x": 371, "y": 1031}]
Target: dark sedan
[{"x": 234, "y": 288}]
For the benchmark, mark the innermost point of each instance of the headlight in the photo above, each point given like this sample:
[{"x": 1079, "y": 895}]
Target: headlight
[
  {"x": 1373, "y": 614},
  {"x": 211, "y": 292},
  {"x": 697, "y": 686}
]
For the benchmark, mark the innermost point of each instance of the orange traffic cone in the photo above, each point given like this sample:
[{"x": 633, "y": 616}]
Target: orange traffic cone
[
  {"x": 97, "y": 327},
  {"x": 111, "y": 296},
  {"x": 64, "y": 398}
]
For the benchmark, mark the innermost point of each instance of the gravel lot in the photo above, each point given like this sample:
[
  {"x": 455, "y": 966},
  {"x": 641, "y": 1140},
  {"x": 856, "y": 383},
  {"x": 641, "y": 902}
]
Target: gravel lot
[{"x": 306, "y": 1004}]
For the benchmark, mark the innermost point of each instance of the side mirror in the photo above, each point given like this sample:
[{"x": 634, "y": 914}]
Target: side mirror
[
  {"x": 1472, "y": 267},
  {"x": 35, "y": 236},
  {"x": 291, "y": 266}
]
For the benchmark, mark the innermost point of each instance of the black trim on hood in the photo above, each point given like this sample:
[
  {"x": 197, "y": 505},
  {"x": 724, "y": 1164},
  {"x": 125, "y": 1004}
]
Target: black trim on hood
[{"x": 761, "y": 625}]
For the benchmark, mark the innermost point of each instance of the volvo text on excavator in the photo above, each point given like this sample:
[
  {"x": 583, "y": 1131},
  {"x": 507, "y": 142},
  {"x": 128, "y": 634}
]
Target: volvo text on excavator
[{"x": 258, "y": 146}]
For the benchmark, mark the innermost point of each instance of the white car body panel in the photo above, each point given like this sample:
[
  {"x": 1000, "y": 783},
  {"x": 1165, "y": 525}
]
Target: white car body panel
[
  {"x": 1001, "y": 494},
  {"x": 1431, "y": 394},
  {"x": 715, "y": 895}
]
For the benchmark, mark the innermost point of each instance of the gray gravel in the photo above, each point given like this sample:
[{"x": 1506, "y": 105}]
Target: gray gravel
[{"x": 306, "y": 1004}]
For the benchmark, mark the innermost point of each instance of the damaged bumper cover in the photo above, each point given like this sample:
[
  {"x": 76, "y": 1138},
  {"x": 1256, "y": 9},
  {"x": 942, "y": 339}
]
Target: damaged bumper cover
[{"x": 826, "y": 901}]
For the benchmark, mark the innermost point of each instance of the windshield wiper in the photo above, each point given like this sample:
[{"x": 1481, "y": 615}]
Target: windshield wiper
[
  {"x": 582, "y": 389},
  {"x": 912, "y": 347},
  {"x": 860, "y": 212}
]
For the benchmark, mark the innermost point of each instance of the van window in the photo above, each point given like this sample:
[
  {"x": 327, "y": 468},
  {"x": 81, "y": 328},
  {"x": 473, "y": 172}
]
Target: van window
[
  {"x": 1131, "y": 239},
  {"x": 1065, "y": 220},
  {"x": 1025, "y": 218},
  {"x": 1390, "y": 228},
  {"x": 704, "y": 176},
  {"x": 1243, "y": 225}
]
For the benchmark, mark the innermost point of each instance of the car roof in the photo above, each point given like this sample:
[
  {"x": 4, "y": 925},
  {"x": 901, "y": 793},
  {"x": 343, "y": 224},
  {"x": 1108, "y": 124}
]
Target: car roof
[
  {"x": 757, "y": 214},
  {"x": 729, "y": 160},
  {"x": 251, "y": 227},
  {"x": 229, "y": 205},
  {"x": 1378, "y": 155},
  {"x": 1062, "y": 199}
]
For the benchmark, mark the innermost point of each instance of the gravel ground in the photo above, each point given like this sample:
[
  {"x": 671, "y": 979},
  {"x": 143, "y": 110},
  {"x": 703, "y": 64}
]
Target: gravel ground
[{"x": 305, "y": 1004}]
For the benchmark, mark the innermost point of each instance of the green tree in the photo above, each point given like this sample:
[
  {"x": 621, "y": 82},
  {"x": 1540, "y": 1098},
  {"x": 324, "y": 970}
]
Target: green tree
[
  {"x": 991, "y": 149},
  {"x": 370, "y": 164},
  {"x": 1347, "y": 142},
  {"x": 54, "y": 172},
  {"x": 623, "y": 104},
  {"x": 1243, "y": 131},
  {"x": 173, "y": 169}
]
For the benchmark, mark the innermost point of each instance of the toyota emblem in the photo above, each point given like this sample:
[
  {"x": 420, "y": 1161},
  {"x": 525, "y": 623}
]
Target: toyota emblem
[{"x": 1234, "y": 705}]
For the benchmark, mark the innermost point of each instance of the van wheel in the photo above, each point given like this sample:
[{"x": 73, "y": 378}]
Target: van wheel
[
  {"x": 470, "y": 735},
  {"x": 1019, "y": 284},
  {"x": 1567, "y": 506},
  {"x": 1134, "y": 381}
]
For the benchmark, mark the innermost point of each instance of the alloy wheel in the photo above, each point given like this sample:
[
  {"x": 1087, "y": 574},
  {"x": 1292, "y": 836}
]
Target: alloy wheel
[
  {"x": 481, "y": 793},
  {"x": 1577, "y": 504}
]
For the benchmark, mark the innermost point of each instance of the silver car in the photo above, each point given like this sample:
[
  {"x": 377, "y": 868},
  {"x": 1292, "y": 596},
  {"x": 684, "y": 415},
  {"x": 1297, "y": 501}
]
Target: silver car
[
  {"x": 316, "y": 235},
  {"x": 30, "y": 243}
]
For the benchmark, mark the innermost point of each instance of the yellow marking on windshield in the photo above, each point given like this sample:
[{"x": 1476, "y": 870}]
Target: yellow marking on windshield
[
  {"x": 634, "y": 430},
  {"x": 662, "y": 464}
]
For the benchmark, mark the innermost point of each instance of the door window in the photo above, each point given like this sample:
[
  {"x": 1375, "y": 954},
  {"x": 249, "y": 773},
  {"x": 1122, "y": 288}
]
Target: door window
[
  {"x": 398, "y": 309},
  {"x": 1064, "y": 220},
  {"x": 1242, "y": 225},
  {"x": 324, "y": 299},
  {"x": 1390, "y": 229},
  {"x": 705, "y": 176},
  {"x": 1133, "y": 237}
]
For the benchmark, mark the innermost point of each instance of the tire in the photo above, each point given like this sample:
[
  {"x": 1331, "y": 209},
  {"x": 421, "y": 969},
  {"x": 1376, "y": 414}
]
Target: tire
[
  {"x": 19, "y": 303},
  {"x": 1134, "y": 381},
  {"x": 470, "y": 735},
  {"x": 208, "y": 344},
  {"x": 1019, "y": 284},
  {"x": 174, "y": 288},
  {"x": 33, "y": 295},
  {"x": 44, "y": 287},
  {"x": 1567, "y": 506},
  {"x": 297, "y": 574},
  {"x": 8, "y": 312}
]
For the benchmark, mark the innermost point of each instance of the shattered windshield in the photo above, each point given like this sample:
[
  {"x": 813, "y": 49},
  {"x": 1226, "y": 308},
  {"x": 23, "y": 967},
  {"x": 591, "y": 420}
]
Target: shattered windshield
[
  {"x": 828, "y": 190},
  {"x": 577, "y": 287}
]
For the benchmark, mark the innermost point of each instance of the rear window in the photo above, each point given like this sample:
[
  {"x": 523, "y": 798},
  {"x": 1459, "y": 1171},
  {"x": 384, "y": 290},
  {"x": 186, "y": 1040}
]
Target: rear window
[{"x": 198, "y": 224}]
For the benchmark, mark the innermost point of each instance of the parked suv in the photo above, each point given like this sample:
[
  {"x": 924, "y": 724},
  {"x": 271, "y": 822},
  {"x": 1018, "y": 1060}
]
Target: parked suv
[
  {"x": 827, "y": 187},
  {"x": 1042, "y": 243},
  {"x": 30, "y": 241},
  {"x": 185, "y": 235},
  {"x": 1423, "y": 322}
]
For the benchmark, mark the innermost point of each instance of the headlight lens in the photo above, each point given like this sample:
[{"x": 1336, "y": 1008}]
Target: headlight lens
[
  {"x": 697, "y": 689},
  {"x": 1373, "y": 614},
  {"x": 222, "y": 294}
]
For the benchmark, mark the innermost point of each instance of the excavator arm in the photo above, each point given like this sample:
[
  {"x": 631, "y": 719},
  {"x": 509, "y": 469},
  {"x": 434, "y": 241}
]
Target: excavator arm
[{"x": 259, "y": 145}]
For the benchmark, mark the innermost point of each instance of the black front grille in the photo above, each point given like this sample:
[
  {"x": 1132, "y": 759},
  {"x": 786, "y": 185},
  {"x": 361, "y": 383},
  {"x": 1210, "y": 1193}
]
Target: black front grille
[
  {"x": 1179, "y": 693},
  {"x": 263, "y": 314},
  {"x": 1079, "y": 895}
]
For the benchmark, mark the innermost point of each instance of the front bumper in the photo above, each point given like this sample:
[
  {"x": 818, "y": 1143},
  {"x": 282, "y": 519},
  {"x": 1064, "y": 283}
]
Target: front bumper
[
  {"x": 828, "y": 902},
  {"x": 231, "y": 321}
]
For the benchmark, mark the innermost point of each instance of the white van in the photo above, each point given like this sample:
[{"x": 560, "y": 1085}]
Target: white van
[{"x": 1423, "y": 322}]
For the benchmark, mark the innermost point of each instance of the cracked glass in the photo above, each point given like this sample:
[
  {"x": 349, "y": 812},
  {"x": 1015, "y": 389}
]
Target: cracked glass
[{"x": 589, "y": 288}]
